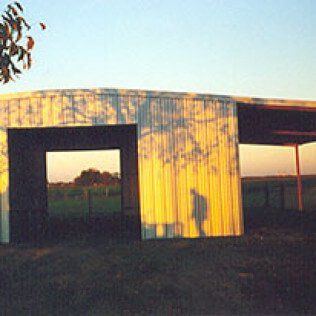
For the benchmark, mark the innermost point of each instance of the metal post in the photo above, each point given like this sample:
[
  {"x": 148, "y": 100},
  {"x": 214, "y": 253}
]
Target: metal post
[
  {"x": 89, "y": 204},
  {"x": 282, "y": 196},
  {"x": 299, "y": 178},
  {"x": 267, "y": 195}
]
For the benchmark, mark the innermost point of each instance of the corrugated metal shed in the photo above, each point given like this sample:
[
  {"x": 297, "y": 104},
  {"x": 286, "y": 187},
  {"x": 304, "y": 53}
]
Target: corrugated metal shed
[{"x": 187, "y": 152}]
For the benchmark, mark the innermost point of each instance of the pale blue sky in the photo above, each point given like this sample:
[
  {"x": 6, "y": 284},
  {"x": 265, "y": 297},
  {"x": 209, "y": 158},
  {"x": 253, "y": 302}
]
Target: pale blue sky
[{"x": 249, "y": 48}]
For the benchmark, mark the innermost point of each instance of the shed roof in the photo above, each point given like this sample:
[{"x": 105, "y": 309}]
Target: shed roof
[
  {"x": 260, "y": 120},
  {"x": 276, "y": 122}
]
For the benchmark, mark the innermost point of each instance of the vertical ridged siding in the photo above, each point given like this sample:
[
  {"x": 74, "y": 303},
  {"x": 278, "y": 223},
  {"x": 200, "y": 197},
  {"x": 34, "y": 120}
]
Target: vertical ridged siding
[{"x": 187, "y": 152}]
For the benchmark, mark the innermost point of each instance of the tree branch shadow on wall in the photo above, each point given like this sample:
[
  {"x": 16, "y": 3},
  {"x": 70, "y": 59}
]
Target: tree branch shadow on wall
[
  {"x": 175, "y": 118},
  {"x": 170, "y": 125}
]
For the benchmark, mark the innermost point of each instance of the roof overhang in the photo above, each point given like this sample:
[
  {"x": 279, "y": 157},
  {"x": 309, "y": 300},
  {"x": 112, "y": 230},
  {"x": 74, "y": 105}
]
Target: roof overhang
[{"x": 276, "y": 122}]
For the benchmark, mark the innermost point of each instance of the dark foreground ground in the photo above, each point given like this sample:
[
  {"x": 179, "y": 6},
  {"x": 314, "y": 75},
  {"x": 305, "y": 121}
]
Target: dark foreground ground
[{"x": 270, "y": 270}]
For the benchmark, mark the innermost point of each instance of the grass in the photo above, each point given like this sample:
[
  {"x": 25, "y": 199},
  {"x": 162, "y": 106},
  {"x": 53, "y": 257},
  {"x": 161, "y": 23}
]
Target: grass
[
  {"x": 269, "y": 270},
  {"x": 72, "y": 208},
  {"x": 69, "y": 203}
]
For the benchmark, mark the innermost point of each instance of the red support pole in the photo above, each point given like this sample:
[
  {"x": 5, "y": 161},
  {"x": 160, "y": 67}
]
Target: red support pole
[{"x": 299, "y": 178}]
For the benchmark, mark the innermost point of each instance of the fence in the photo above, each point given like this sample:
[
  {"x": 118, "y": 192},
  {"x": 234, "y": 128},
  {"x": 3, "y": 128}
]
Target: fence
[
  {"x": 84, "y": 202},
  {"x": 278, "y": 193}
]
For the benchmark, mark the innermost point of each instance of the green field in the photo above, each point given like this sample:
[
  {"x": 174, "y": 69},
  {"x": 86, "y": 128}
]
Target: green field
[
  {"x": 78, "y": 191},
  {"x": 71, "y": 203},
  {"x": 258, "y": 193},
  {"x": 79, "y": 208}
]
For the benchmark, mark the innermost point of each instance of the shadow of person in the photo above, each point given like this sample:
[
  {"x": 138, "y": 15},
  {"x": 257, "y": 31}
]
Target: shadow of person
[{"x": 199, "y": 211}]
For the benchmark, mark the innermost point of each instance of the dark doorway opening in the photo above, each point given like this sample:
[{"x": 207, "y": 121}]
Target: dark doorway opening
[{"x": 29, "y": 218}]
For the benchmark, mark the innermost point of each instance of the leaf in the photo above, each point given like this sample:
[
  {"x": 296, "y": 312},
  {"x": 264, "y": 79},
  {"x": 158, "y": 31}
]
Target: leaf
[
  {"x": 5, "y": 60},
  {"x": 5, "y": 18},
  {"x": 21, "y": 19},
  {"x": 43, "y": 26},
  {"x": 22, "y": 54},
  {"x": 13, "y": 28},
  {"x": 9, "y": 15},
  {"x": 5, "y": 71},
  {"x": 14, "y": 25},
  {"x": 7, "y": 29},
  {"x": 14, "y": 11},
  {"x": 29, "y": 60},
  {"x": 30, "y": 43},
  {"x": 2, "y": 30},
  {"x": 19, "y": 6},
  {"x": 19, "y": 36},
  {"x": 13, "y": 49},
  {"x": 16, "y": 70}
]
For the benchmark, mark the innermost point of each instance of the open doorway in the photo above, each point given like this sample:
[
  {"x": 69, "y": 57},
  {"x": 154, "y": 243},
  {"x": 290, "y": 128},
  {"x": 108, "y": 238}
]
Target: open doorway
[
  {"x": 270, "y": 185},
  {"x": 273, "y": 138},
  {"x": 268, "y": 177},
  {"x": 83, "y": 191},
  {"x": 29, "y": 200}
]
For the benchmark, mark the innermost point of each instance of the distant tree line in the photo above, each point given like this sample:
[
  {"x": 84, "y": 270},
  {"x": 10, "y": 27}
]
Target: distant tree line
[{"x": 92, "y": 177}]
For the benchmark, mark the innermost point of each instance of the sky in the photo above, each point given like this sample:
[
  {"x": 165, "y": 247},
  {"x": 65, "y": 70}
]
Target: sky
[
  {"x": 247, "y": 47},
  {"x": 65, "y": 166}
]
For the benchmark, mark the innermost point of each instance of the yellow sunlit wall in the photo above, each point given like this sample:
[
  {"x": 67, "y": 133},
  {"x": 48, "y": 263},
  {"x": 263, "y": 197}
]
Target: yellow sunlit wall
[{"x": 187, "y": 152}]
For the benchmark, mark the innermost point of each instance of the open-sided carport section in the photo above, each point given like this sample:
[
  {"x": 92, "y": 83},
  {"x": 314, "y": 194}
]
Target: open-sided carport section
[
  {"x": 27, "y": 169},
  {"x": 277, "y": 122}
]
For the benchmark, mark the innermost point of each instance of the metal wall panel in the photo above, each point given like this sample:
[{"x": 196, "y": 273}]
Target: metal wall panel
[{"x": 187, "y": 152}]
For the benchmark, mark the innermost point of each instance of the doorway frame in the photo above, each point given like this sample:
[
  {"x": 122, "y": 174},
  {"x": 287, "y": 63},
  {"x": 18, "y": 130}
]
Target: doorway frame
[{"x": 28, "y": 180}]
